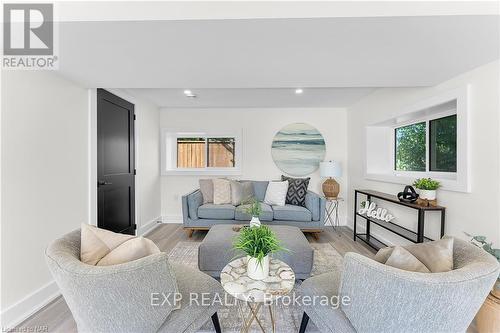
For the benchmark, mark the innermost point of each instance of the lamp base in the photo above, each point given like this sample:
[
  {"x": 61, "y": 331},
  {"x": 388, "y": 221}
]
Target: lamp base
[{"x": 331, "y": 188}]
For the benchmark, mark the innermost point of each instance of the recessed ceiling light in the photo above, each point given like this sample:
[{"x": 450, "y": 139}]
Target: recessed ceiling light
[
  {"x": 299, "y": 91},
  {"x": 189, "y": 93}
]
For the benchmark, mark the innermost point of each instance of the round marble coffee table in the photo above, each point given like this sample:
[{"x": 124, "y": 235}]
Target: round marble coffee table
[{"x": 256, "y": 293}]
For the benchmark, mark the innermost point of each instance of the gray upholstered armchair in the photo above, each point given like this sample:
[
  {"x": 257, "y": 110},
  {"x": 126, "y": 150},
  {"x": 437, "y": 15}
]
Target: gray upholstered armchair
[
  {"x": 387, "y": 299},
  {"x": 131, "y": 297}
]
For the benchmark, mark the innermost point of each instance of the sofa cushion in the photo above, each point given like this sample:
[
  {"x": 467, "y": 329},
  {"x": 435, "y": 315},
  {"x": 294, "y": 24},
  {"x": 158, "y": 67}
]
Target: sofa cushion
[
  {"x": 212, "y": 211},
  {"x": 292, "y": 213},
  {"x": 266, "y": 215},
  {"x": 276, "y": 193},
  {"x": 241, "y": 192},
  {"x": 207, "y": 190},
  {"x": 402, "y": 259},
  {"x": 104, "y": 248},
  {"x": 297, "y": 190},
  {"x": 259, "y": 189},
  {"x": 437, "y": 255},
  {"x": 222, "y": 191}
]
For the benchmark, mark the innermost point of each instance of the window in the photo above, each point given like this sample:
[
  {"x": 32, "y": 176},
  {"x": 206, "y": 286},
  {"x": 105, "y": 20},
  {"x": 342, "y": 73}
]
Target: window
[
  {"x": 220, "y": 152},
  {"x": 426, "y": 139},
  {"x": 190, "y": 152},
  {"x": 410, "y": 147},
  {"x": 200, "y": 153},
  {"x": 439, "y": 135},
  {"x": 443, "y": 144}
]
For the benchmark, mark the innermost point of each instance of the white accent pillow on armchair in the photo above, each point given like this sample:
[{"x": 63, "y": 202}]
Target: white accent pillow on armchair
[{"x": 276, "y": 193}]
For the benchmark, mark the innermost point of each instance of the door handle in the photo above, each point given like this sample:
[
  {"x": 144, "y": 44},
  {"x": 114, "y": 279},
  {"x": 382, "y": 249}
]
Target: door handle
[{"x": 102, "y": 183}]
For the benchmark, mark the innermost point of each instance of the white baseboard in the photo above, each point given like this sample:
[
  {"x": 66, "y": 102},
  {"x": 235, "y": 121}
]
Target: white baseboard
[
  {"x": 172, "y": 219},
  {"x": 149, "y": 226},
  {"x": 23, "y": 309}
]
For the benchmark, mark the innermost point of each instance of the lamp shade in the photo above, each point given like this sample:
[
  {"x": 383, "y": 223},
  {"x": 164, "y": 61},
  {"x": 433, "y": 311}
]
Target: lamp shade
[{"x": 330, "y": 169}]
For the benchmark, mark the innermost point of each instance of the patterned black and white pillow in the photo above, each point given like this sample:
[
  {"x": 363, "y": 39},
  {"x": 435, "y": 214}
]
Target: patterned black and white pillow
[{"x": 297, "y": 190}]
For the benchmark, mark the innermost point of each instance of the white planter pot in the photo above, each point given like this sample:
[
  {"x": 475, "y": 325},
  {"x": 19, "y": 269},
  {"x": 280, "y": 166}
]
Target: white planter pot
[
  {"x": 255, "y": 222},
  {"x": 258, "y": 271},
  {"x": 427, "y": 194}
]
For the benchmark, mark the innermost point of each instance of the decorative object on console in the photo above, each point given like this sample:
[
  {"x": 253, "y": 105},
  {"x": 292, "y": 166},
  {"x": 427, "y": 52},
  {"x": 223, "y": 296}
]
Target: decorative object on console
[
  {"x": 297, "y": 190},
  {"x": 370, "y": 209},
  {"x": 276, "y": 193},
  {"x": 330, "y": 187},
  {"x": 297, "y": 149},
  {"x": 257, "y": 243},
  {"x": 254, "y": 209},
  {"x": 488, "y": 317},
  {"x": 427, "y": 188},
  {"x": 408, "y": 195}
]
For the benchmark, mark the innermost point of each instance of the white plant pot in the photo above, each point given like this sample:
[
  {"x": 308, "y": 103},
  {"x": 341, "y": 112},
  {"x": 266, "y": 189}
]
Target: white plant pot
[
  {"x": 427, "y": 194},
  {"x": 256, "y": 270},
  {"x": 255, "y": 222}
]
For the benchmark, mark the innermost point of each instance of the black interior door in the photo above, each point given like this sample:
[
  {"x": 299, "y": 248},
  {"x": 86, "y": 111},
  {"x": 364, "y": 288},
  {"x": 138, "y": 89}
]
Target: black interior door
[{"x": 115, "y": 163}]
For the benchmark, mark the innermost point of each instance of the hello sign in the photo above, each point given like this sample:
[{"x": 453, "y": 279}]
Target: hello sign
[{"x": 371, "y": 210}]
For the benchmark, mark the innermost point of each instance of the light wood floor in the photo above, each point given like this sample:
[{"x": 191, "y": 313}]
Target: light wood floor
[{"x": 57, "y": 317}]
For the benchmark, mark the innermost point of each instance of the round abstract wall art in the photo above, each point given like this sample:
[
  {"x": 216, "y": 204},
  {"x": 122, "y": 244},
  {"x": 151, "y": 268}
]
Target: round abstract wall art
[{"x": 298, "y": 148}]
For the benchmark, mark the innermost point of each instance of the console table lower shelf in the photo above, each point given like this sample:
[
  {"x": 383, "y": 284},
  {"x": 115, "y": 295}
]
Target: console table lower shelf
[{"x": 412, "y": 236}]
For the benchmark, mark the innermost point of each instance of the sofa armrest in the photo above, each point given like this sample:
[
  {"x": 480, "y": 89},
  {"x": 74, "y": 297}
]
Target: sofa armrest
[
  {"x": 190, "y": 204},
  {"x": 316, "y": 204}
]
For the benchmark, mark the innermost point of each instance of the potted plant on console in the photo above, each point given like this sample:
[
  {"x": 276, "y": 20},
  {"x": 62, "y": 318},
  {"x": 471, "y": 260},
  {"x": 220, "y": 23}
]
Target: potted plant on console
[
  {"x": 257, "y": 242},
  {"x": 427, "y": 188}
]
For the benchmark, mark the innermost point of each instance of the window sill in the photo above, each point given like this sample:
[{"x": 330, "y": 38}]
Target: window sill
[
  {"x": 447, "y": 184},
  {"x": 203, "y": 172}
]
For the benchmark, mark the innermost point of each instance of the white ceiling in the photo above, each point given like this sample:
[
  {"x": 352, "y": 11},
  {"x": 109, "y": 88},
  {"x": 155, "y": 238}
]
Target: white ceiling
[
  {"x": 253, "y": 98},
  {"x": 231, "y": 62}
]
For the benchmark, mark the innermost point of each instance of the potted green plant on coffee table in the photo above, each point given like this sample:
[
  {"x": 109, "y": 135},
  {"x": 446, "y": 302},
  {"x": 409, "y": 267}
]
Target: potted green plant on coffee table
[
  {"x": 427, "y": 188},
  {"x": 257, "y": 242},
  {"x": 254, "y": 209}
]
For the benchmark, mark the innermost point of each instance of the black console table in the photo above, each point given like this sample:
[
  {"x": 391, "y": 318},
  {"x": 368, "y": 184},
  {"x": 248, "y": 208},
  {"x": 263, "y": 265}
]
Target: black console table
[{"x": 415, "y": 237}]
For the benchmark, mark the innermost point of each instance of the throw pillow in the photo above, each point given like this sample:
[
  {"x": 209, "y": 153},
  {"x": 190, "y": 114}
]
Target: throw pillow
[
  {"x": 297, "y": 190},
  {"x": 402, "y": 259},
  {"x": 207, "y": 190},
  {"x": 241, "y": 192},
  {"x": 276, "y": 193},
  {"x": 103, "y": 247},
  {"x": 437, "y": 256},
  {"x": 222, "y": 191}
]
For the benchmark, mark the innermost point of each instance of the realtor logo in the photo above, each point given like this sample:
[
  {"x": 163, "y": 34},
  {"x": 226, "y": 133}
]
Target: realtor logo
[{"x": 28, "y": 36}]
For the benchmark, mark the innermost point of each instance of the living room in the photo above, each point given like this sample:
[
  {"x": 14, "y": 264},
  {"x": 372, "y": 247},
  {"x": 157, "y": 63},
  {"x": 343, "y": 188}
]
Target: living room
[{"x": 175, "y": 134}]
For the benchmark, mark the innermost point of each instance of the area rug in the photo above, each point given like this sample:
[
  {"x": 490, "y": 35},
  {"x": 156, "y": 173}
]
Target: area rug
[{"x": 287, "y": 317}]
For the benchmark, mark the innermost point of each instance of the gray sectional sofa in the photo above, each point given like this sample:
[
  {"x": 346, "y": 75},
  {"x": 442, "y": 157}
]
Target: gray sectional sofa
[{"x": 199, "y": 216}]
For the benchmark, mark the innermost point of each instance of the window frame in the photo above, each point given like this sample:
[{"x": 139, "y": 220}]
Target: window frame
[
  {"x": 427, "y": 172},
  {"x": 379, "y": 154},
  {"x": 169, "y": 153}
]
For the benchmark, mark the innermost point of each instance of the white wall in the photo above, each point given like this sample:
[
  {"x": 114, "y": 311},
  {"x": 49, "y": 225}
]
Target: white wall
[
  {"x": 147, "y": 165},
  {"x": 476, "y": 212},
  {"x": 44, "y": 179},
  {"x": 258, "y": 129}
]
